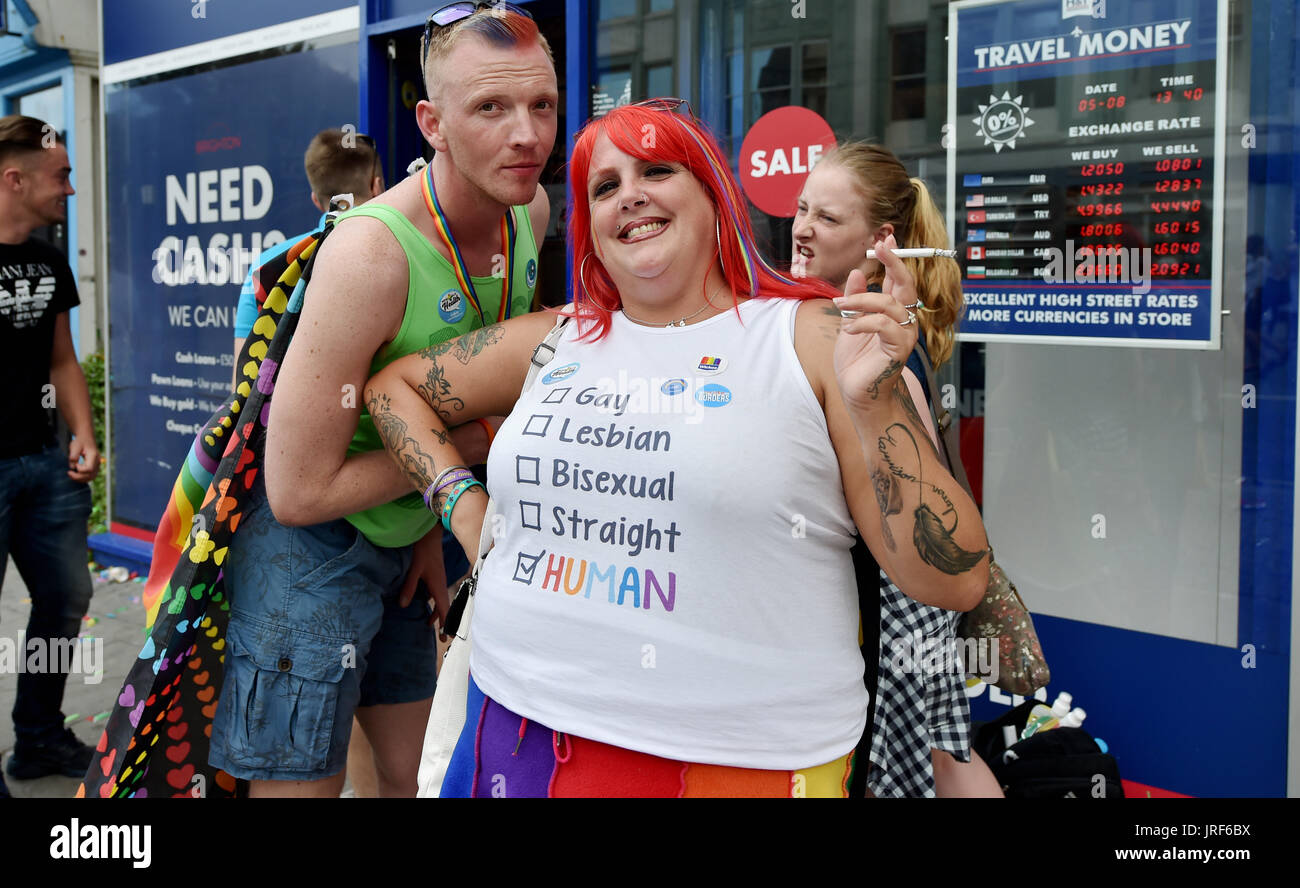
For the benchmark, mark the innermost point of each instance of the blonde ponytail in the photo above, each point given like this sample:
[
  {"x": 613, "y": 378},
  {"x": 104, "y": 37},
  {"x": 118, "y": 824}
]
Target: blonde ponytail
[
  {"x": 890, "y": 196},
  {"x": 938, "y": 281}
]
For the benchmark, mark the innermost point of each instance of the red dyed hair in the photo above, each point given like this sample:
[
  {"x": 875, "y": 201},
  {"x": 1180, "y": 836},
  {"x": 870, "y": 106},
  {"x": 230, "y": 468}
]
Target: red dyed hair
[{"x": 684, "y": 141}]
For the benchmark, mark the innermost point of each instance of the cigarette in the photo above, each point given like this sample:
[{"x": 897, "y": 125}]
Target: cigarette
[{"x": 918, "y": 253}]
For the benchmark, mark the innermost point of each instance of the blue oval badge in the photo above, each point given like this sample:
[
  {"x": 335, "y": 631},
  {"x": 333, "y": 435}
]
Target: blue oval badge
[
  {"x": 713, "y": 395},
  {"x": 561, "y": 373},
  {"x": 530, "y": 272},
  {"x": 673, "y": 387},
  {"x": 451, "y": 306}
]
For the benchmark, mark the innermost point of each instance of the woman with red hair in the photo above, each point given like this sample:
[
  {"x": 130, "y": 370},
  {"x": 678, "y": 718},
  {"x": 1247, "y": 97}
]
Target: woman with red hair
[{"x": 705, "y": 429}]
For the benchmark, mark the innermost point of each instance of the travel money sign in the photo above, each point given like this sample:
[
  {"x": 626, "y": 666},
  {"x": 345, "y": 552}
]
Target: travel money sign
[{"x": 1085, "y": 170}]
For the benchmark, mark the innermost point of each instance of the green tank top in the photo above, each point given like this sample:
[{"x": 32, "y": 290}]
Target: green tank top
[{"x": 436, "y": 310}]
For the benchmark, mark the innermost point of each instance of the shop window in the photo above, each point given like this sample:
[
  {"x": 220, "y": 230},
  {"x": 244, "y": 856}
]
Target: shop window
[
  {"x": 770, "y": 71},
  {"x": 659, "y": 81},
  {"x": 662, "y": 5},
  {"x": 613, "y": 87},
  {"x": 907, "y": 74},
  {"x": 615, "y": 9},
  {"x": 813, "y": 70}
]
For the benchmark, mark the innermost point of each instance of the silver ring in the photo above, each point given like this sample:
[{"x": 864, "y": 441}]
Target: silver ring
[
  {"x": 911, "y": 319},
  {"x": 916, "y": 304},
  {"x": 848, "y": 313}
]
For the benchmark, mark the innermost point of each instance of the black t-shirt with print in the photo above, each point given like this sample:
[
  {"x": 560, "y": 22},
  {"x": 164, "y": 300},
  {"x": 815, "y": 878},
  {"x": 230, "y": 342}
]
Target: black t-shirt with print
[{"x": 36, "y": 285}]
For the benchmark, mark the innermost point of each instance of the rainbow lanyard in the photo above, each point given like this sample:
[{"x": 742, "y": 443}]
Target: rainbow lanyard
[{"x": 458, "y": 262}]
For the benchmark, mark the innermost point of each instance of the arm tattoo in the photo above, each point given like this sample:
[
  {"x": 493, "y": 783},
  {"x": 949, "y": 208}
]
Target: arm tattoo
[
  {"x": 932, "y": 537},
  {"x": 874, "y": 390},
  {"x": 889, "y": 496},
  {"x": 465, "y": 347},
  {"x": 410, "y": 457},
  {"x": 904, "y": 399},
  {"x": 831, "y": 327},
  {"x": 435, "y": 389}
]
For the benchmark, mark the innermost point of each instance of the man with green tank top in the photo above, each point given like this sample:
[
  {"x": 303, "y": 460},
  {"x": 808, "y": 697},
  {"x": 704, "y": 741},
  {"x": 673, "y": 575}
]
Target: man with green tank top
[{"x": 323, "y": 572}]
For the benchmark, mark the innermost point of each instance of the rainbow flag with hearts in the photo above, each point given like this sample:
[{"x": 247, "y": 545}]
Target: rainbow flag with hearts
[{"x": 155, "y": 741}]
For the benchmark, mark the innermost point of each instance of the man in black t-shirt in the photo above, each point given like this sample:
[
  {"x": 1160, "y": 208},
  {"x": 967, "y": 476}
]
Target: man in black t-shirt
[{"x": 44, "y": 492}]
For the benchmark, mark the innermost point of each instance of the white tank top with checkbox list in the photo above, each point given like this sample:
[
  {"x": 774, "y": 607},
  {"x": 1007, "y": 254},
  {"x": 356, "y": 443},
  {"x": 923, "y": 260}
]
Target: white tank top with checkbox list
[{"x": 671, "y": 571}]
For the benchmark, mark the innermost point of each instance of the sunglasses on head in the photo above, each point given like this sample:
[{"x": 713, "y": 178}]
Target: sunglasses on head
[
  {"x": 671, "y": 105},
  {"x": 454, "y": 12}
]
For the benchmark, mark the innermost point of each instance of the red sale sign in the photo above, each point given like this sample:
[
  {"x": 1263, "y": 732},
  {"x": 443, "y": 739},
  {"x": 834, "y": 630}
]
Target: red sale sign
[{"x": 777, "y": 154}]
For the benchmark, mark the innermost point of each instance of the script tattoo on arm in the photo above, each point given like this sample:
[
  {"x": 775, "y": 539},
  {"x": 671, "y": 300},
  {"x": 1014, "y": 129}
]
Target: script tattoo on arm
[
  {"x": 410, "y": 456},
  {"x": 874, "y": 390},
  {"x": 932, "y": 537},
  {"x": 904, "y": 399}
]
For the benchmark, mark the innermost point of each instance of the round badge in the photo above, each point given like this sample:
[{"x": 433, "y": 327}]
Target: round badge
[
  {"x": 713, "y": 395},
  {"x": 451, "y": 306},
  {"x": 561, "y": 373},
  {"x": 673, "y": 387},
  {"x": 530, "y": 273}
]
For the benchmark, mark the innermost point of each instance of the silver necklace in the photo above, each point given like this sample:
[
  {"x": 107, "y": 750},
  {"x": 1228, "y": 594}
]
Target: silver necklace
[{"x": 680, "y": 322}]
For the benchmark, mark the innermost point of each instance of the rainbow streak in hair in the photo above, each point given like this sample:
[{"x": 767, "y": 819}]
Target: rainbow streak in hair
[{"x": 733, "y": 202}]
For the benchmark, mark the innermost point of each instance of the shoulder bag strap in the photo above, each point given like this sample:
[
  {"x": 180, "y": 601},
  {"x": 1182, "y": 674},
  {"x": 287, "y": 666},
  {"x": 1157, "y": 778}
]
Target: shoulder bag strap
[{"x": 946, "y": 426}]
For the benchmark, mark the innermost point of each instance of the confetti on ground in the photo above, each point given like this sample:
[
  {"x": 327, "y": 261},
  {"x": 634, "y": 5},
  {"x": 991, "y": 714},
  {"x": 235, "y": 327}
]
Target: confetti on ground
[
  {"x": 75, "y": 717},
  {"x": 99, "y": 718}
]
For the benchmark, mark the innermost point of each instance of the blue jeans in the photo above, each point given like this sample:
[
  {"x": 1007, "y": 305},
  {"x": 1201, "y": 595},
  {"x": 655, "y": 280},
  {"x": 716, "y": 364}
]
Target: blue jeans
[
  {"x": 315, "y": 632},
  {"x": 43, "y": 517}
]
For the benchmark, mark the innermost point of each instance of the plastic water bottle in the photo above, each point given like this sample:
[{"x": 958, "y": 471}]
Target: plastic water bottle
[
  {"x": 1074, "y": 719},
  {"x": 1042, "y": 718}
]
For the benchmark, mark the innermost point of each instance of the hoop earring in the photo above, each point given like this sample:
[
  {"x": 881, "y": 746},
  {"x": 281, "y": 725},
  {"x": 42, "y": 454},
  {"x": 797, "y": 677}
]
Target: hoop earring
[
  {"x": 717, "y": 233},
  {"x": 582, "y": 274}
]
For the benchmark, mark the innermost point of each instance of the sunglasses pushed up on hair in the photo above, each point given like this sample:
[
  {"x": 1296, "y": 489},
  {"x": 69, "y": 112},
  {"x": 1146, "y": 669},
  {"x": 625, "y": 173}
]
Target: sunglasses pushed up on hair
[{"x": 447, "y": 15}]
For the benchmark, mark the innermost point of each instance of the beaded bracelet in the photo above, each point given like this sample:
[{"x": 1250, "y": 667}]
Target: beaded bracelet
[{"x": 454, "y": 497}]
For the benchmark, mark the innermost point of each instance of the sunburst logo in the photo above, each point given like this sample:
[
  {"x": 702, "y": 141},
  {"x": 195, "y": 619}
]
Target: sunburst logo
[{"x": 1002, "y": 121}]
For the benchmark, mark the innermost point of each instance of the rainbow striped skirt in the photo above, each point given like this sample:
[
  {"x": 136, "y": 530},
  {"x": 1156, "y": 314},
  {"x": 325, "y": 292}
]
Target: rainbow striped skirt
[{"x": 502, "y": 755}]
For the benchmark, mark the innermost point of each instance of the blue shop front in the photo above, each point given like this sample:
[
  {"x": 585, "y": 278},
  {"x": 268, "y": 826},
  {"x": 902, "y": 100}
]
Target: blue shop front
[{"x": 1134, "y": 456}]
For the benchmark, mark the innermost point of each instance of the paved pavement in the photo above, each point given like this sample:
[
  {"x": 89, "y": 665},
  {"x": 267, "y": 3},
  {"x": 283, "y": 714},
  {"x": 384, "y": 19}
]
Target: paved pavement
[{"x": 116, "y": 618}]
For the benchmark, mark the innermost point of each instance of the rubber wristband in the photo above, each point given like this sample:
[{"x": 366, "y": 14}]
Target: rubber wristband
[
  {"x": 454, "y": 491},
  {"x": 436, "y": 485},
  {"x": 487, "y": 427},
  {"x": 461, "y": 475},
  {"x": 453, "y": 499},
  {"x": 431, "y": 491}
]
